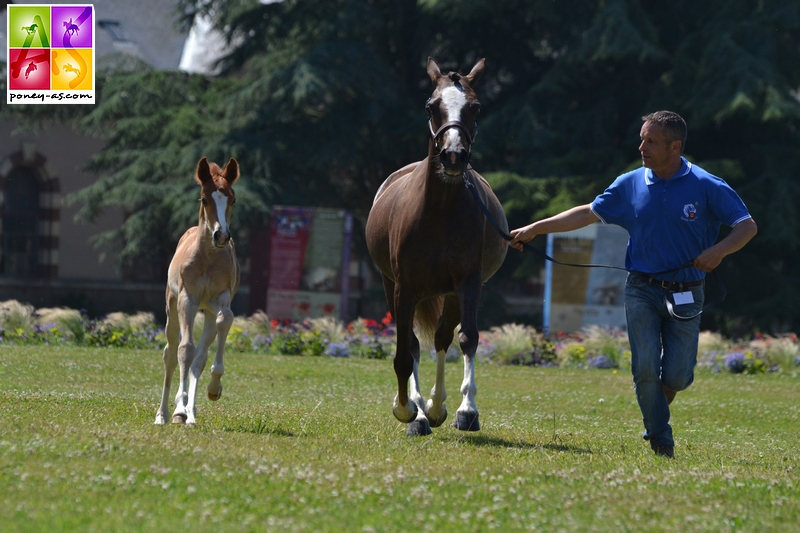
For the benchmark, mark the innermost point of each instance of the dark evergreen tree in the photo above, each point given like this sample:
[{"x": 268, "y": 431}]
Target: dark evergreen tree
[{"x": 321, "y": 99}]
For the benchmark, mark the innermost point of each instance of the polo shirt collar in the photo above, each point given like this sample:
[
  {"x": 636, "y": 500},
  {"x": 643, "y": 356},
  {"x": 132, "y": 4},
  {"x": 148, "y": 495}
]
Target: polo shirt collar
[{"x": 651, "y": 178}]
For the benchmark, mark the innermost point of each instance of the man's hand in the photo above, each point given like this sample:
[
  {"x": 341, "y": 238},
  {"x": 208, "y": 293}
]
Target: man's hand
[
  {"x": 521, "y": 235},
  {"x": 740, "y": 235}
]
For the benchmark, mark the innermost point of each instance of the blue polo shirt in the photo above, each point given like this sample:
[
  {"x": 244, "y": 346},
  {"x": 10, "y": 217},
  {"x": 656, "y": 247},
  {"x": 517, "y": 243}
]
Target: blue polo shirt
[{"x": 669, "y": 222}]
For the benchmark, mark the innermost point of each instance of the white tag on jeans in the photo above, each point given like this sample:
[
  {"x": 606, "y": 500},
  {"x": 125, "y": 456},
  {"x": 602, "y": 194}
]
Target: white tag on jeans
[{"x": 682, "y": 298}]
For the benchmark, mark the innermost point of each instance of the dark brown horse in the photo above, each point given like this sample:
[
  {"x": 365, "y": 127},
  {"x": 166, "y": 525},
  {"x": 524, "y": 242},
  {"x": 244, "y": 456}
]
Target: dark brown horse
[{"x": 435, "y": 248}]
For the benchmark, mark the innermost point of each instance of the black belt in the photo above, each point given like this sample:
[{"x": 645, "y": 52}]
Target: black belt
[{"x": 674, "y": 286}]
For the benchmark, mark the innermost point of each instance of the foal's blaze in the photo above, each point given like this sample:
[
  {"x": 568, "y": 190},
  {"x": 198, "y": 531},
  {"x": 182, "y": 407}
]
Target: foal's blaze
[
  {"x": 434, "y": 248},
  {"x": 453, "y": 110},
  {"x": 203, "y": 276},
  {"x": 217, "y": 197}
]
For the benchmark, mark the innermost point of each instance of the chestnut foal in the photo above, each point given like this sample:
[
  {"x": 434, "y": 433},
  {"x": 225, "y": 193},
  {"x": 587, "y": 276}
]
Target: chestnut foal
[{"x": 203, "y": 276}]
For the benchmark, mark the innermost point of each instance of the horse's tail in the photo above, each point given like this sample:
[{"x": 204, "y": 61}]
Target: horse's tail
[{"x": 427, "y": 314}]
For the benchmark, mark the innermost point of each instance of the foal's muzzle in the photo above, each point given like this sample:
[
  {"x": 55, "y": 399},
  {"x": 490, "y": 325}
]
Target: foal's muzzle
[{"x": 220, "y": 238}]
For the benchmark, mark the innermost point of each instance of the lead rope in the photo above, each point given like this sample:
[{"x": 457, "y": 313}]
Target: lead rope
[{"x": 668, "y": 301}]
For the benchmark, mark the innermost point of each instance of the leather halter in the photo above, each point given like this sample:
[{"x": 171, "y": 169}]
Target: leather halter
[{"x": 450, "y": 124}]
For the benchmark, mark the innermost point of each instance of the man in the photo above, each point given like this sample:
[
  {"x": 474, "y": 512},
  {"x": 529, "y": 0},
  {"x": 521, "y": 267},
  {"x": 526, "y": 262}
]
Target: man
[{"x": 672, "y": 211}]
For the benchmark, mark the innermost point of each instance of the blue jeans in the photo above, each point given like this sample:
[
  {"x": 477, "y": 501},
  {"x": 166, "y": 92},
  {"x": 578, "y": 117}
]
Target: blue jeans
[{"x": 664, "y": 352}]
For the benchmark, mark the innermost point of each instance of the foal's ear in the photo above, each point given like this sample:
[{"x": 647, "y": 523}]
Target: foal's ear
[
  {"x": 231, "y": 171},
  {"x": 203, "y": 173},
  {"x": 476, "y": 73},
  {"x": 433, "y": 70}
]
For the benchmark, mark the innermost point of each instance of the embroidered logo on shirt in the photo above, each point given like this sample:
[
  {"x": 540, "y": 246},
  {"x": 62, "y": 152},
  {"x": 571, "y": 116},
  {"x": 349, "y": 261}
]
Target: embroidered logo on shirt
[{"x": 689, "y": 212}]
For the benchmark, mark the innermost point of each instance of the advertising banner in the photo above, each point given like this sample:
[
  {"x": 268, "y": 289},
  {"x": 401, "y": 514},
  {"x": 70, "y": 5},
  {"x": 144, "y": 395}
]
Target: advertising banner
[
  {"x": 309, "y": 262},
  {"x": 581, "y": 297}
]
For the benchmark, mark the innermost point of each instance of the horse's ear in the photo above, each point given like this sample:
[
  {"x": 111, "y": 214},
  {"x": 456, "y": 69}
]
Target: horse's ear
[
  {"x": 231, "y": 171},
  {"x": 476, "y": 73},
  {"x": 433, "y": 70},
  {"x": 203, "y": 173}
]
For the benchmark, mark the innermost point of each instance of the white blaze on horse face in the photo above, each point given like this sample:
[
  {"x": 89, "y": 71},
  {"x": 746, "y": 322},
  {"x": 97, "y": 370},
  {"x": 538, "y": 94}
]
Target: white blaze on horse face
[
  {"x": 221, "y": 201},
  {"x": 453, "y": 101}
]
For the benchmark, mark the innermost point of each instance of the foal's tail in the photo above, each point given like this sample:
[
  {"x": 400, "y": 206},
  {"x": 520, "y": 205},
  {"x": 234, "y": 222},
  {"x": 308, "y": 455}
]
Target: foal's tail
[{"x": 427, "y": 314}]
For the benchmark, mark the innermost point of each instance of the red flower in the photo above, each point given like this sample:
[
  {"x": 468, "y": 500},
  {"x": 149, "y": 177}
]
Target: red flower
[
  {"x": 274, "y": 323},
  {"x": 387, "y": 319}
]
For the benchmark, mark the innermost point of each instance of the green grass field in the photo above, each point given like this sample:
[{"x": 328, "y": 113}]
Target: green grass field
[{"x": 310, "y": 444}]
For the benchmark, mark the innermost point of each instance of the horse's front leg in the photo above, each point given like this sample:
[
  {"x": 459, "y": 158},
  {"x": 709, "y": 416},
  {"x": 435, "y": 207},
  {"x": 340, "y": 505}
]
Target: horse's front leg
[
  {"x": 224, "y": 322},
  {"x": 199, "y": 364},
  {"x": 420, "y": 426},
  {"x": 469, "y": 295},
  {"x": 436, "y": 408},
  {"x": 403, "y": 409},
  {"x": 187, "y": 311}
]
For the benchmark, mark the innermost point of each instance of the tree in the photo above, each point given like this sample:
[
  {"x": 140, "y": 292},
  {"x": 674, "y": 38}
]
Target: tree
[{"x": 321, "y": 99}]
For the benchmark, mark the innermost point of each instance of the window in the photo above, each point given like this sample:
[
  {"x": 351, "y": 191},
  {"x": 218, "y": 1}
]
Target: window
[
  {"x": 114, "y": 29},
  {"x": 20, "y": 223}
]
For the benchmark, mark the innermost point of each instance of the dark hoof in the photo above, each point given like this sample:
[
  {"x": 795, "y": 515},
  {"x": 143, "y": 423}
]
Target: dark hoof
[
  {"x": 178, "y": 419},
  {"x": 419, "y": 428},
  {"x": 467, "y": 422},
  {"x": 436, "y": 423}
]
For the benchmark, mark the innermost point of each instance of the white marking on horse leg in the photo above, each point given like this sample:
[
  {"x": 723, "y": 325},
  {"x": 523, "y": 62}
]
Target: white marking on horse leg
[
  {"x": 221, "y": 201},
  {"x": 468, "y": 387},
  {"x": 198, "y": 365},
  {"x": 223, "y": 324},
  {"x": 414, "y": 393},
  {"x": 436, "y": 409},
  {"x": 187, "y": 311}
]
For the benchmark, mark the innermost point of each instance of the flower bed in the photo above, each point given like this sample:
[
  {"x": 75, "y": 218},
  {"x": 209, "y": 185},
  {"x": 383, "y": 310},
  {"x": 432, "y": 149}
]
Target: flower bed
[{"x": 510, "y": 344}]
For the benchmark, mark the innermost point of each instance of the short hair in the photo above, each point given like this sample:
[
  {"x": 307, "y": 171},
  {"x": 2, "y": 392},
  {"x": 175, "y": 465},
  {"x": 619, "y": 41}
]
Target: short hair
[{"x": 674, "y": 126}]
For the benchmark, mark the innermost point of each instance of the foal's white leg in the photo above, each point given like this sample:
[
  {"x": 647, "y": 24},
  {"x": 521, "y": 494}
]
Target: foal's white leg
[
  {"x": 187, "y": 311},
  {"x": 170, "y": 359},
  {"x": 436, "y": 409},
  {"x": 223, "y": 324},
  {"x": 199, "y": 363}
]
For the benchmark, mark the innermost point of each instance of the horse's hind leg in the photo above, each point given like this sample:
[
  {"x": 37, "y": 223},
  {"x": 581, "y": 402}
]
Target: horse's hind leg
[
  {"x": 436, "y": 408},
  {"x": 224, "y": 321},
  {"x": 170, "y": 358},
  {"x": 469, "y": 295}
]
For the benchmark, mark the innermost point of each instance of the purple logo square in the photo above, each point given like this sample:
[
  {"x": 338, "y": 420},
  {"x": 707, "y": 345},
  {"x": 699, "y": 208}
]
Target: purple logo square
[{"x": 71, "y": 26}]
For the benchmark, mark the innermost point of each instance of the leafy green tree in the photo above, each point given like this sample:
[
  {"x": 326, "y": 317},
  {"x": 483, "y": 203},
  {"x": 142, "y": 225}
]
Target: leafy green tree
[{"x": 320, "y": 100}]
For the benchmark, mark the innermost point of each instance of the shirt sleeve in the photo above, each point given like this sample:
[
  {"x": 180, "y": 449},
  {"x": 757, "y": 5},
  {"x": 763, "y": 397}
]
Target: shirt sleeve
[
  {"x": 726, "y": 205},
  {"x": 609, "y": 205}
]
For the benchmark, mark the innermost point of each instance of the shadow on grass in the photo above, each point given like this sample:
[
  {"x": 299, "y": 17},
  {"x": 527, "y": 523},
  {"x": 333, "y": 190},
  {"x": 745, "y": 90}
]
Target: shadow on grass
[
  {"x": 554, "y": 445},
  {"x": 259, "y": 427}
]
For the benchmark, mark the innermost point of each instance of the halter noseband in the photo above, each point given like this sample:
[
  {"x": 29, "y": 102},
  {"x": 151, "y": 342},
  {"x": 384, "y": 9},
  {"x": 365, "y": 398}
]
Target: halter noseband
[{"x": 450, "y": 124}]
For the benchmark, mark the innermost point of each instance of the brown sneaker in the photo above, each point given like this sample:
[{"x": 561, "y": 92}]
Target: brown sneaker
[
  {"x": 670, "y": 394},
  {"x": 666, "y": 451}
]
